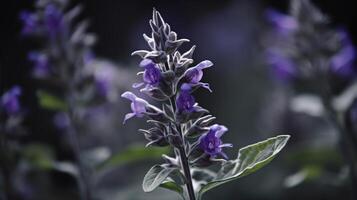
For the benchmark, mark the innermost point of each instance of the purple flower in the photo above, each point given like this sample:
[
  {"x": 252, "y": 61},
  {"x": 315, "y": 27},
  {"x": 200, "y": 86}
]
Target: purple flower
[
  {"x": 138, "y": 105},
  {"x": 194, "y": 74},
  {"x": 152, "y": 74},
  {"x": 88, "y": 57},
  {"x": 283, "y": 23},
  {"x": 211, "y": 142},
  {"x": 61, "y": 120},
  {"x": 104, "y": 80},
  {"x": 342, "y": 62},
  {"x": 41, "y": 64},
  {"x": 10, "y": 101},
  {"x": 30, "y": 22},
  {"x": 282, "y": 67},
  {"x": 185, "y": 101},
  {"x": 53, "y": 19}
]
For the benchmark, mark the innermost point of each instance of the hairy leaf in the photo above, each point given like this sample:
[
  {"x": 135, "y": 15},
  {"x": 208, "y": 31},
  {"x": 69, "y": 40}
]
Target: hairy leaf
[
  {"x": 132, "y": 154},
  {"x": 155, "y": 176},
  {"x": 171, "y": 185},
  {"x": 250, "y": 159}
]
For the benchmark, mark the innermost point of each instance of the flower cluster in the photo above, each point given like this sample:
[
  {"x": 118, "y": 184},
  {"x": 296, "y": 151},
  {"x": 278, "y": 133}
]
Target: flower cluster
[
  {"x": 320, "y": 61},
  {"x": 179, "y": 121},
  {"x": 68, "y": 46},
  {"x": 168, "y": 78},
  {"x": 306, "y": 48},
  {"x": 66, "y": 60},
  {"x": 63, "y": 63}
]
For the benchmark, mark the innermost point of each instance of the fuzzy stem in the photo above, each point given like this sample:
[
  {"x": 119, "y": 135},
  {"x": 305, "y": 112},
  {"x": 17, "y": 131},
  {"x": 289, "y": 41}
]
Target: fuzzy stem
[
  {"x": 83, "y": 179},
  {"x": 346, "y": 143},
  {"x": 186, "y": 169},
  {"x": 183, "y": 157}
]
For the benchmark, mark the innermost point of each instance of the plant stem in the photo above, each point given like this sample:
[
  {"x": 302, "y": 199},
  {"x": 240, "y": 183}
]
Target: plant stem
[
  {"x": 186, "y": 170},
  {"x": 183, "y": 157},
  {"x": 347, "y": 143},
  {"x": 83, "y": 180}
]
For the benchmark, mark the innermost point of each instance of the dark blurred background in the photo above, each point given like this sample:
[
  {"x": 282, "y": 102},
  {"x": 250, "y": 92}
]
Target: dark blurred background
[{"x": 230, "y": 34}]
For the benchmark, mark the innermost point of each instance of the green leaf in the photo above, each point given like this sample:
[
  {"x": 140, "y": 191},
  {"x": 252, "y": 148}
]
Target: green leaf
[
  {"x": 155, "y": 176},
  {"x": 41, "y": 157},
  {"x": 133, "y": 153},
  {"x": 51, "y": 102},
  {"x": 175, "y": 182},
  {"x": 250, "y": 159},
  {"x": 308, "y": 173},
  {"x": 171, "y": 185},
  {"x": 38, "y": 156}
]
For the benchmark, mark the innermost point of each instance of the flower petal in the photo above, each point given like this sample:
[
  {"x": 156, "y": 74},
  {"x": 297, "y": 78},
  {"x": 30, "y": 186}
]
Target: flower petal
[
  {"x": 224, "y": 155},
  {"x": 129, "y": 95},
  {"x": 226, "y": 145},
  {"x": 128, "y": 116},
  {"x": 137, "y": 85},
  {"x": 204, "y": 64}
]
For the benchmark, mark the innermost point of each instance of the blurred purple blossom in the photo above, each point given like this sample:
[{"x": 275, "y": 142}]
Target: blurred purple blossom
[
  {"x": 10, "y": 100},
  {"x": 105, "y": 77},
  {"x": 30, "y": 22},
  {"x": 343, "y": 62},
  {"x": 305, "y": 37},
  {"x": 211, "y": 142},
  {"x": 283, "y": 23},
  {"x": 41, "y": 66},
  {"x": 88, "y": 57},
  {"x": 185, "y": 101},
  {"x": 53, "y": 19},
  {"x": 138, "y": 105},
  {"x": 61, "y": 120},
  {"x": 282, "y": 67}
]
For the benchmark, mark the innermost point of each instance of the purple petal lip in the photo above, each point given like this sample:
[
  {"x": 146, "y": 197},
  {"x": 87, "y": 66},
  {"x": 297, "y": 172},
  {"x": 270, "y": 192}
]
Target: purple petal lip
[
  {"x": 211, "y": 143},
  {"x": 147, "y": 63},
  {"x": 194, "y": 74},
  {"x": 138, "y": 105}
]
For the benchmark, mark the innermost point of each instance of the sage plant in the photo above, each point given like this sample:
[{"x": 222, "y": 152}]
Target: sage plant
[
  {"x": 319, "y": 62},
  {"x": 62, "y": 63},
  {"x": 199, "y": 162}
]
